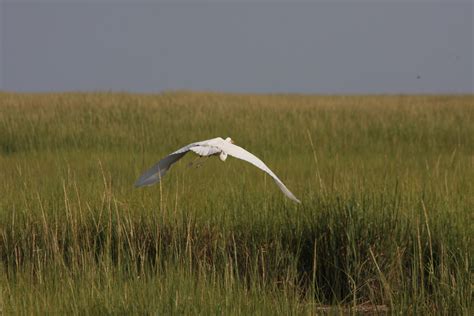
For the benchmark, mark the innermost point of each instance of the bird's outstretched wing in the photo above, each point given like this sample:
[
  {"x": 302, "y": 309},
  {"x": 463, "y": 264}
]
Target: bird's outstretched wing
[
  {"x": 155, "y": 173},
  {"x": 239, "y": 152},
  {"x": 203, "y": 148}
]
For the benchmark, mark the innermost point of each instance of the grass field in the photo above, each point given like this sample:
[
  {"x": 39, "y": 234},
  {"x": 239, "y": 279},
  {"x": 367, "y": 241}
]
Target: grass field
[{"x": 386, "y": 220}]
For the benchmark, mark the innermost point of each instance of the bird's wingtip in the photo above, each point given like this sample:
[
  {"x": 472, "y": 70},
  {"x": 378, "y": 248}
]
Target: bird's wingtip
[
  {"x": 296, "y": 200},
  {"x": 143, "y": 182},
  {"x": 138, "y": 184}
]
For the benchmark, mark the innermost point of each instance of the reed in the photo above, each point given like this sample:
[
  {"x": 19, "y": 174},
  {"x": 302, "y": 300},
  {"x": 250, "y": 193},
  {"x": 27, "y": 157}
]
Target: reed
[{"x": 385, "y": 223}]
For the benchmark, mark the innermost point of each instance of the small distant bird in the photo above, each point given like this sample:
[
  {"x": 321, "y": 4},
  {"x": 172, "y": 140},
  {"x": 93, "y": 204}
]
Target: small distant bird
[{"x": 207, "y": 148}]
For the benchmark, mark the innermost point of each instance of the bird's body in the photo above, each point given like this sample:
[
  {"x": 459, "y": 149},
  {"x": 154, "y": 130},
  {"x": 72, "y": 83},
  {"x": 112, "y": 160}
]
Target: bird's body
[{"x": 210, "y": 147}]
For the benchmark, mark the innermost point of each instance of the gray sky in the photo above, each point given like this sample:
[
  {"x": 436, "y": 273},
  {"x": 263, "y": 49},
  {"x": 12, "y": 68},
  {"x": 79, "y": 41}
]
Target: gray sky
[{"x": 390, "y": 46}]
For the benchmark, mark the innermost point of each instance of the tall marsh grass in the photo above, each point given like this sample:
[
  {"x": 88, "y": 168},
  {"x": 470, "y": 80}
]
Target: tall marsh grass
[{"x": 385, "y": 225}]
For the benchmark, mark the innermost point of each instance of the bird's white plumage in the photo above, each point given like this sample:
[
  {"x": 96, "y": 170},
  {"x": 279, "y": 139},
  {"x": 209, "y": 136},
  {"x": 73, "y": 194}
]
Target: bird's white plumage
[
  {"x": 239, "y": 152},
  {"x": 206, "y": 148}
]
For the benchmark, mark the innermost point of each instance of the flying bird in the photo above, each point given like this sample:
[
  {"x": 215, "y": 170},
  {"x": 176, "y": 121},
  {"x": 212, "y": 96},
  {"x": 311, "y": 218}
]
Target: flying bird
[{"x": 211, "y": 147}]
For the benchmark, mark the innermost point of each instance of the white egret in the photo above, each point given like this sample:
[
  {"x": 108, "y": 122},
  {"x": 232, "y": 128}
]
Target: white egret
[{"x": 210, "y": 147}]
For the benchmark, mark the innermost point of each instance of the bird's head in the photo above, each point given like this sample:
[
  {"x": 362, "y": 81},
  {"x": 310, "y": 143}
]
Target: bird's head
[{"x": 229, "y": 140}]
